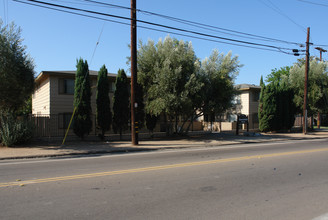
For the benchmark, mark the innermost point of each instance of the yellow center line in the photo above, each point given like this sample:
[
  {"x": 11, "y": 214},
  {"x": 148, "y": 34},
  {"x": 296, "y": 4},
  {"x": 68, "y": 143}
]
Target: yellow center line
[{"x": 144, "y": 169}]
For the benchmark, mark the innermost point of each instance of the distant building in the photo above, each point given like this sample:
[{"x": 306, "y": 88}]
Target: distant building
[{"x": 247, "y": 103}]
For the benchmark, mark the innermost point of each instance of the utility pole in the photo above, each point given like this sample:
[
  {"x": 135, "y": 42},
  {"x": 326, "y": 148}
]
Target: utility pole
[
  {"x": 319, "y": 117},
  {"x": 306, "y": 81},
  {"x": 321, "y": 50},
  {"x": 134, "y": 105}
]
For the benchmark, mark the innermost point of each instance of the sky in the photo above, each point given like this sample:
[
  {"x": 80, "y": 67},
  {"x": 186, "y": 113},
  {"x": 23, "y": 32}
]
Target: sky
[{"x": 55, "y": 40}]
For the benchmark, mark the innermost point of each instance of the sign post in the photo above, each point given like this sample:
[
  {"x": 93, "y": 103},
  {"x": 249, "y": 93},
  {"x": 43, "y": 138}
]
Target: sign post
[{"x": 241, "y": 119}]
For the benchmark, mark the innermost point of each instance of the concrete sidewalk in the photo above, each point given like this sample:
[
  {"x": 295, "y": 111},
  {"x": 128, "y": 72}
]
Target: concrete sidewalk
[{"x": 46, "y": 149}]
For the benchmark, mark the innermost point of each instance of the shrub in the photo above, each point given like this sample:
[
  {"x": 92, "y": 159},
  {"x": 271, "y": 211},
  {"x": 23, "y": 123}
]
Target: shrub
[{"x": 15, "y": 130}]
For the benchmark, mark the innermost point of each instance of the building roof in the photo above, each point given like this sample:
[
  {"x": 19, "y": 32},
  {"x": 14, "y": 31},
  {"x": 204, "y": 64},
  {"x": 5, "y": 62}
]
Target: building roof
[
  {"x": 248, "y": 87},
  {"x": 69, "y": 73}
]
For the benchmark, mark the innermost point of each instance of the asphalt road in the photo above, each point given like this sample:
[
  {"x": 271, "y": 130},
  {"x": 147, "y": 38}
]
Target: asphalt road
[{"x": 283, "y": 180}]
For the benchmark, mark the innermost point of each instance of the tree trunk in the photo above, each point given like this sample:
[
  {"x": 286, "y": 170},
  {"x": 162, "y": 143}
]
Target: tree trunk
[
  {"x": 220, "y": 123},
  {"x": 167, "y": 130},
  {"x": 176, "y": 124}
]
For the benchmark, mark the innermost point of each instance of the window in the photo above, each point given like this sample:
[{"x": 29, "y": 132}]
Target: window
[
  {"x": 236, "y": 100},
  {"x": 112, "y": 87},
  {"x": 255, "y": 118},
  {"x": 64, "y": 119},
  {"x": 232, "y": 118},
  {"x": 66, "y": 86},
  {"x": 256, "y": 96}
]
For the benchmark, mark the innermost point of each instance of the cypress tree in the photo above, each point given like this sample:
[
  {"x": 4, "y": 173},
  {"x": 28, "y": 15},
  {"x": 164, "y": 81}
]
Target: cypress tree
[
  {"x": 286, "y": 109},
  {"x": 121, "y": 103},
  {"x": 82, "y": 100},
  {"x": 269, "y": 108},
  {"x": 277, "y": 108},
  {"x": 260, "y": 110},
  {"x": 103, "y": 112}
]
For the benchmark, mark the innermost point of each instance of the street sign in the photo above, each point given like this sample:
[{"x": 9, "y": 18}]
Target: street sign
[{"x": 243, "y": 119}]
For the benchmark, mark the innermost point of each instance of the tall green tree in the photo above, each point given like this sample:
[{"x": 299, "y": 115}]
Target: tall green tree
[
  {"x": 16, "y": 86},
  {"x": 317, "y": 85},
  {"x": 218, "y": 73},
  {"x": 103, "y": 112},
  {"x": 151, "y": 121},
  {"x": 277, "y": 109},
  {"x": 16, "y": 69},
  {"x": 121, "y": 103},
  {"x": 169, "y": 78},
  {"x": 269, "y": 108},
  {"x": 82, "y": 100},
  {"x": 178, "y": 85},
  {"x": 286, "y": 108},
  {"x": 260, "y": 109}
]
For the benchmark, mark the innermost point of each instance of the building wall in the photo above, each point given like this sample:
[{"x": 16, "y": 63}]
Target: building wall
[
  {"x": 248, "y": 105},
  {"x": 253, "y": 109},
  {"x": 244, "y": 98},
  {"x": 219, "y": 126},
  {"x": 41, "y": 98},
  {"x": 253, "y": 101},
  {"x": 60, "y": 103},
  {"x": 63, "y": 103}
]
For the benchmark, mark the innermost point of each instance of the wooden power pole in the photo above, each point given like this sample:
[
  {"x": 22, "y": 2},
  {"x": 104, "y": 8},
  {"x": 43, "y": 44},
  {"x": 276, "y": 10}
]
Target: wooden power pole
[
  {"x": 134, "y": 104},
  {"x": 319, "y": 117},
  {"x": 307, "y": 57},
  {"x": 321, "y": 50}
]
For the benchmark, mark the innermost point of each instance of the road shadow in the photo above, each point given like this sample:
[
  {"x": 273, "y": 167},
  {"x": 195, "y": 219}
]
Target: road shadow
[{"x": 146, "y": 144}]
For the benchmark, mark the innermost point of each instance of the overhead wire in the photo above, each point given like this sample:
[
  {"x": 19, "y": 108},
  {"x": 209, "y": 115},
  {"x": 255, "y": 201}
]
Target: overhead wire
[
  {"x": 320, "y": 45},
  {"x": 97, "y": 43},
  {"x": 154, "y": 29},
  {"x": 313, "y": 3},
  {"x": 5, "y": 12},
  {"x": 72, "y": 2},
  {"x": 197, "y": 24},
  {"x": 210, "y": 27},
  {"x": 276, "y": 9},
  {"x": 318, "y": 4},
  {"x": 163, "y": 26}
]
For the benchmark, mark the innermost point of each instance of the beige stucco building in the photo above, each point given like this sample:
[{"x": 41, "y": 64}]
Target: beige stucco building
[
  {"x": 52, "y": 100},
  {"x": 250, "y": 97},
  {"x": 246, "y": 103},
  {"x": 54, "y": 93}
]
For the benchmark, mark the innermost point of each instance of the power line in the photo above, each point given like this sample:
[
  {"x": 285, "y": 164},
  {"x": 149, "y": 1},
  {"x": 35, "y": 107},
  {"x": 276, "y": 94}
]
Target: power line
[
  {"x": 276, "y": 9},
  {"x": 320, "y": 45},
  {"x": 94, "y": 51},
  {"x": 163, "y": 26},
  {"x": 217, "y": 41},
  {"x": 5, "y": 12},
  {"x": 197, "y": 24},
  {"x": 154, "y": 29},
  {"x": 313, "y": 3}
]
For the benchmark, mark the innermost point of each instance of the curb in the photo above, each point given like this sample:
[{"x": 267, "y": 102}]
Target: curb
[{"x": 131, "y": 150}]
